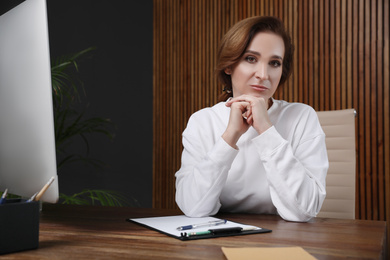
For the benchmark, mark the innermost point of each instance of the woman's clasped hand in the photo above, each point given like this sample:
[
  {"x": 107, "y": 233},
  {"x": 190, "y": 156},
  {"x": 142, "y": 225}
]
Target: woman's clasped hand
[{"x": 246, "y": 111}]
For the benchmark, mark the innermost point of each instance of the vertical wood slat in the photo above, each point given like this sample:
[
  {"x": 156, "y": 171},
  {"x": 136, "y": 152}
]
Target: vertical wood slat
[
  {"x": 367, "y": 92},
  {"x": 360, "y": 109},
  {"x": 386, "y": 108},
  {"x": 379, "y": 57},
  {"x": 373, "y": 112},
  {"x": 341, "y": 61}
]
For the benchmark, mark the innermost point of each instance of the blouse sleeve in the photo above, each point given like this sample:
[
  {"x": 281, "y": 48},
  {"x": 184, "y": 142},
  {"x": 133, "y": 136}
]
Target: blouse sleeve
[
  {"x": 296, "y": 175},
  {"x": 205, "y": 164}
]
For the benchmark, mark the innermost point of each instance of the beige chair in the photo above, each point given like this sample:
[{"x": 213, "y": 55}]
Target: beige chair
[{"x": 339, "y": 128}]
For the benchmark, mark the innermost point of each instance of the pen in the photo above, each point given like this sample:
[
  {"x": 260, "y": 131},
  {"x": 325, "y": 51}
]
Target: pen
[
  {"x": 208, "y": 224},
  {"x": 43, "y": 190},
  {"x": 218, "y": 231},
  {"x": 250, "y": 228},
  {"x": 2, "y": 199},
  {"x": 190, "y": 234},
  {"x": 226, "y": 230},
  {"x": 32, "y": 197}
]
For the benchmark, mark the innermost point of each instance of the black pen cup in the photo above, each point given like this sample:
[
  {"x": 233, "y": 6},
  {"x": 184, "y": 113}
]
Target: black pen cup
[{"x": 19, "y": 225}]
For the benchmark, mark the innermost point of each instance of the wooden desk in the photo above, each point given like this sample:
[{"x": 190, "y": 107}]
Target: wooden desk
[{"x": 76, "y": 232}]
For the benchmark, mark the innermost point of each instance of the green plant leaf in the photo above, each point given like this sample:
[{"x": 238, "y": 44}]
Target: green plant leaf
[
  {"x": 70, "y": 123},
  {"x": 98, "y": 197}
]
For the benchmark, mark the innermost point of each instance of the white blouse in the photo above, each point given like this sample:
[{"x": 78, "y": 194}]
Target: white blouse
[{"x": 280, "y": 171}]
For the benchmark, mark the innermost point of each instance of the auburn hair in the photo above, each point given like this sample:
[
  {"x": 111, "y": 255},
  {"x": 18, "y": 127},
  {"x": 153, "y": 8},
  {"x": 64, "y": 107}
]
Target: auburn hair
[{"x": 235, "y": 42}]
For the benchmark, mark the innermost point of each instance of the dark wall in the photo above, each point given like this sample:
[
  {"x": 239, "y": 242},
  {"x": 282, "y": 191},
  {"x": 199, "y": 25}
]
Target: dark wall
[{"x": 118, "y": 84}]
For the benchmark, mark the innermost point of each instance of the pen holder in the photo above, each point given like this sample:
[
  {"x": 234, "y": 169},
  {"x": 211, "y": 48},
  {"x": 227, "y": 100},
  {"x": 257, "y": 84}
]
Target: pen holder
[{"x": 19, "y": 225}]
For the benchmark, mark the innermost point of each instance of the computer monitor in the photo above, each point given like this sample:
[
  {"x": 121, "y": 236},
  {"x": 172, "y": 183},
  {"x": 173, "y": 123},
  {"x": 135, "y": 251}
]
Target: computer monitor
[{"x": 27, "y": 142}]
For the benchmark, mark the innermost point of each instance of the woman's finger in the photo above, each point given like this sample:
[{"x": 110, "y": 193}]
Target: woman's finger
[
  {"x": 242, "y": 98},
  {"x": 249, "y": 120}
]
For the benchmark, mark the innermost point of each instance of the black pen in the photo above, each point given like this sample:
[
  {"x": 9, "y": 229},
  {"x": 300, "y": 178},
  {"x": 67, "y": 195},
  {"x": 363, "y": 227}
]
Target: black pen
[
  {"x": 231, "y": 230},
  {"x": 218, "y": 231}
]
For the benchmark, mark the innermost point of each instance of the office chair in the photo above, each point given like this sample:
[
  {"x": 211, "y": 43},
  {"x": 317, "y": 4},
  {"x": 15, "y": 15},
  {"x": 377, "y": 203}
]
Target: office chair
[{"x": 339, "y": 128}]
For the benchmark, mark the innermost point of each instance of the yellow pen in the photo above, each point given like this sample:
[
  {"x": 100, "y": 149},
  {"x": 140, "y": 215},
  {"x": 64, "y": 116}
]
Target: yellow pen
[{"x": 44, "y": 189}]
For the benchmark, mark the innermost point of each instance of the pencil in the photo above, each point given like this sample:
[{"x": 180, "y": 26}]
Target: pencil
[{"x": 43, "y": 190}]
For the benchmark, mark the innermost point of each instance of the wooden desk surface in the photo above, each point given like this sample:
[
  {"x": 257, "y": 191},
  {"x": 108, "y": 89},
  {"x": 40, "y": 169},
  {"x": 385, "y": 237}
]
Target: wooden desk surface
[{"x": 78, "y": 232}]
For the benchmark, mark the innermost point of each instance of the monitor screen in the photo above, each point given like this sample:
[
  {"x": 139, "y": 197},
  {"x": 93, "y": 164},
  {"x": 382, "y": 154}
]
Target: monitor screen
[{"x": 27, "y": 143}]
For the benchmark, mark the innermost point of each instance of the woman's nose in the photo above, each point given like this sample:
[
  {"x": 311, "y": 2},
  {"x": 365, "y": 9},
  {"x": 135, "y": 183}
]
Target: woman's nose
[{"x": 262, "y": 72}]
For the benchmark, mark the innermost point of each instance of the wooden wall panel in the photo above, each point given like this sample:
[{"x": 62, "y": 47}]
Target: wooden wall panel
[{"x": 341, "y": 61}]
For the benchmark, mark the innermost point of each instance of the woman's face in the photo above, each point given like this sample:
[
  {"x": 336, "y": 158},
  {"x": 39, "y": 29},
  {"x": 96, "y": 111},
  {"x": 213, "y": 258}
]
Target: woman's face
[{"x": 260, "y": 68}]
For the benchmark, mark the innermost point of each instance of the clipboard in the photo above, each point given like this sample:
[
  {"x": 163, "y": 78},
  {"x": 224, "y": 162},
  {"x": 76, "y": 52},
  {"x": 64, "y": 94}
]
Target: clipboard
[{"x": 168, "y": 225}]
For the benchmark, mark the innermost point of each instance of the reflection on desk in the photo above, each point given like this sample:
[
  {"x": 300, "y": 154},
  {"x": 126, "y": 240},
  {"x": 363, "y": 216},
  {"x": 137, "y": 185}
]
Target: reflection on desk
[{"x": 93, "y": 232}]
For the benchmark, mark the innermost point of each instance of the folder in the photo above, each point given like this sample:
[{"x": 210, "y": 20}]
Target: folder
[{"x": 168, "y": 225}]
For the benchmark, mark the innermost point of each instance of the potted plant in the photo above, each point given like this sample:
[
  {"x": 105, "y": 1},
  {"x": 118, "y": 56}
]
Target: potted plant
[{"x": 70, "y": 123}]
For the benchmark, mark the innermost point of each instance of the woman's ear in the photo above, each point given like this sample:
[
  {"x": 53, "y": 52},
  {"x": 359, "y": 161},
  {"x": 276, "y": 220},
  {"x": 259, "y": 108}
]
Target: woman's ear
[{"x": 228, "y": 71}]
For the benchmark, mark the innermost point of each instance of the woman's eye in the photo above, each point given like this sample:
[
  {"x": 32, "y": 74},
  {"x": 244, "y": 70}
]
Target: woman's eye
[
  {"x": 275, "y": 63},
  {"x": 250, "y": 59}
]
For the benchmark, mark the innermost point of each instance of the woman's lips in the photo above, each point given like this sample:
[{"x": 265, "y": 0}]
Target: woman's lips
[{"x": 259, "y": 87}]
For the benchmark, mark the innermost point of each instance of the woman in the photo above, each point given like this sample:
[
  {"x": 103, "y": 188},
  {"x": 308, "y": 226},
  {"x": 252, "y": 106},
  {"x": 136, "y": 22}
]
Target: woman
[{"x": 252, "y": 153}]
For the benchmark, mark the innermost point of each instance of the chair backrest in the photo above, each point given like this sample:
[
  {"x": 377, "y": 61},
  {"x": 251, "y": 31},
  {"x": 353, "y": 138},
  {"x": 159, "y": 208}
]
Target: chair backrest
[{"x": 339, "y": 128}]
